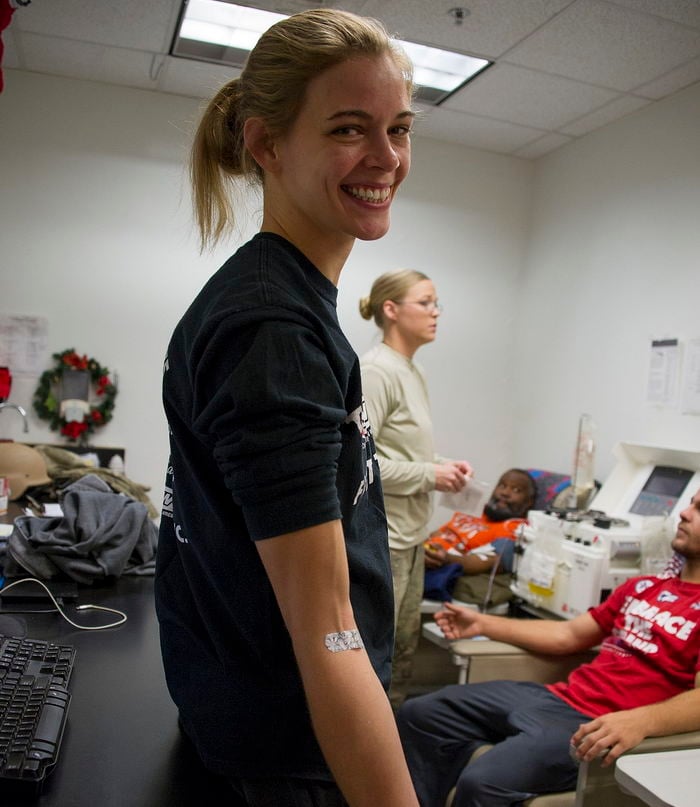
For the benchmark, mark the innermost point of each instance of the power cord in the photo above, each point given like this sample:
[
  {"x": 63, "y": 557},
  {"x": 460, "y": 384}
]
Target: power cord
[{"x": 90, "y": 607}]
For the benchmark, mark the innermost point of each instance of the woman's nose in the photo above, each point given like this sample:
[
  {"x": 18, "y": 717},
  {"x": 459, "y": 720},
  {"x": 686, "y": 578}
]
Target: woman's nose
[{"x": 383, "y": 153}]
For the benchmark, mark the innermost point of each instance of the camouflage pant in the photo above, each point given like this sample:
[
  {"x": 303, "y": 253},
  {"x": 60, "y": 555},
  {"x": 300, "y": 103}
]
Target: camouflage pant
[{"x": 408, "y": 572}]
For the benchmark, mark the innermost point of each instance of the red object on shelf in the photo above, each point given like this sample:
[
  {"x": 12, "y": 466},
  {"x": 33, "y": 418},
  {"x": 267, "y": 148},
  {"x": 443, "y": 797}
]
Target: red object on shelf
[
  {"x": 5, "y": 383},
  {"x": 6, "y": 12}
]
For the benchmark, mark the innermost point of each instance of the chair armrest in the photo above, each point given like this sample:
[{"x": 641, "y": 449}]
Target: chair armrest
[
  {"x": 486, "y": 660},
  {"x": 597, "y": 786},
  {"x": 672, "y": 742}
]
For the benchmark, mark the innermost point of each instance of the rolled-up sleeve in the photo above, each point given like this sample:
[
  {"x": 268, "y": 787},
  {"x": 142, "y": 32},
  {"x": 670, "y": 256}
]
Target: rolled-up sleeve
[{"x": 274, "y": 417}]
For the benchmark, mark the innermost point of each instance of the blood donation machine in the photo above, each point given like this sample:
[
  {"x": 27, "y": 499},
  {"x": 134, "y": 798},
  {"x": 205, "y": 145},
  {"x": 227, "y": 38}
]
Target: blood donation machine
[{"x": 570, "y": 560}]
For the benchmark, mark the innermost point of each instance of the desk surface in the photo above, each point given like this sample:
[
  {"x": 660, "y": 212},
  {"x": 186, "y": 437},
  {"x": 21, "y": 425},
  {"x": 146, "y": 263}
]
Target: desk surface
[
  {"x": 664, "y": 779},
  {"x": 121, "y": 745}
]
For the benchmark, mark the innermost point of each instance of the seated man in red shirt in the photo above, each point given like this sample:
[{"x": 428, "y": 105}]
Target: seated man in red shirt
[
  {"x": 449, "y": 557},
  {"x": 645, "y": 682}
]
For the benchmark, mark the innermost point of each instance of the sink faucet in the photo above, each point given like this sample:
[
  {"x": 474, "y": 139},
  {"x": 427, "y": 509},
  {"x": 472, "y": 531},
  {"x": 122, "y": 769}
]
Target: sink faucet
[{"x": 20, "y": 409}]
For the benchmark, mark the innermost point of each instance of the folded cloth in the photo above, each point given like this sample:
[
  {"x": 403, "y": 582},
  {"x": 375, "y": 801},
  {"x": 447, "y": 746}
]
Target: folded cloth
[
  {"x": 65, "y": 467},
  {"x": 439, "y": 583},
  {"x": 100, "y": 534}
]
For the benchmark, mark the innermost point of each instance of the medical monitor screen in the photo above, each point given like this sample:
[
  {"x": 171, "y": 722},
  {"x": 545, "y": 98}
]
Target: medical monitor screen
[{"x": 661, "y": 491}]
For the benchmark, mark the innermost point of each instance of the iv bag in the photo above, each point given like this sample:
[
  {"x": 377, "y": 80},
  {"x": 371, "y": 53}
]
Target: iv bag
[{"x": 583, "y": 477}]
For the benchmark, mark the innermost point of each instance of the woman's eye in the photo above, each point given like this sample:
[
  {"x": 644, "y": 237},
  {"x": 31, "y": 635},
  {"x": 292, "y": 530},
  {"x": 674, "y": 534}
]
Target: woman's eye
[{"x": 346, "y": 130}]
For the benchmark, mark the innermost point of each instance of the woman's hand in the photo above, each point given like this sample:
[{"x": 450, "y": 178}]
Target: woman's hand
[{"x": 452, "y": 476}]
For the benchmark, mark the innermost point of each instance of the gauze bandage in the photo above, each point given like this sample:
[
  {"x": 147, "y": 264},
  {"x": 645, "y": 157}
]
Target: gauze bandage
[{"x": 344, "y": 640}]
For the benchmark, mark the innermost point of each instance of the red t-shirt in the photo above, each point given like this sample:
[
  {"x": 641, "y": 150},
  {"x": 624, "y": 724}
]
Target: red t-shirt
[{"x": 652, "y": 649}]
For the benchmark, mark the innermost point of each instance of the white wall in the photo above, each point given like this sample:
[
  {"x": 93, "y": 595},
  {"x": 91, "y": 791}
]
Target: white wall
[
  {"x": 555, "y": 275},
  {"x": 461, "y": 219},
  {"x": 613, "y": 262},
  {"x": 97, "y": 237}
]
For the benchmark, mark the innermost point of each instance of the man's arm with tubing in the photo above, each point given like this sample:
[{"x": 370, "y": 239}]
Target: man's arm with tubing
[{"x": 349, "y": 709}]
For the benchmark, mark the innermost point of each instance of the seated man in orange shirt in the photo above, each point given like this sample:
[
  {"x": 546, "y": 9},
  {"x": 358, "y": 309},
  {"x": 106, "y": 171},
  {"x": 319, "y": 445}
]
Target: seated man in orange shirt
[{"x": 449, "y": 557}]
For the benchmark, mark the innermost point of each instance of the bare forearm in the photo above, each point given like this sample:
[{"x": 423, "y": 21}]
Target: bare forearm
[
  {"x": 349, "y": 710},
  {"x": 355, "y": 728},
  {"x": 539, "y": 636},
  {"x": 673, "y": 716}
]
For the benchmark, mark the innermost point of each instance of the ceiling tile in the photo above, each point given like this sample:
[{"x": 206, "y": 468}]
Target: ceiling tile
[
  {"x": 672, "y": 81},
  {"x": 543, "y": 145},
  {"x": 470, "y": 130},
  {"x": 10, "y": 57},
  {"x": 606, "y": 114},
  {"x": 123, "y": 23},
  {"x": 293, "y": 6},
  {"x": 492, "y": 27},
  {"x": 530, "y": 99},
  {"x": 687, "y": 12},
  {"x": 601, "y": 43},
  {"x": 196, "y": 79},
  {"x": 89, "y": 61}
]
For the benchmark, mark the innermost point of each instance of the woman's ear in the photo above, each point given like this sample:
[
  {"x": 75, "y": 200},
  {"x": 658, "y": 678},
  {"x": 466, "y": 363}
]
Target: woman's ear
[
  {"x": 390, "y": 310},
  {"x": 259, "y": 143}
]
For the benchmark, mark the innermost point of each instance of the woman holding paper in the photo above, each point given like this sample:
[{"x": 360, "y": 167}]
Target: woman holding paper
[{"x": 405, "y": 307}]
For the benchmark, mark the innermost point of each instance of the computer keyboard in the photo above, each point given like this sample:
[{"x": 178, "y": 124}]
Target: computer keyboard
[{"x": 34, "y": 701}]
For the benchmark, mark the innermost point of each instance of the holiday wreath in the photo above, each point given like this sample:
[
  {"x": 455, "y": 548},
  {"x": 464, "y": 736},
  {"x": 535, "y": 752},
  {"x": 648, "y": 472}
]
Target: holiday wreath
[{"x": 96, "y": 412}]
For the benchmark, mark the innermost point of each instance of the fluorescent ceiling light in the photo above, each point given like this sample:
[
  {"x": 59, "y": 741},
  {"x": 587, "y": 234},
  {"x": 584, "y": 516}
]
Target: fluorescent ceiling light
[
  {"x": 226, "y": 24},
  {"x": 224, "y": 33},
  {"x": 441, "y": 72}
]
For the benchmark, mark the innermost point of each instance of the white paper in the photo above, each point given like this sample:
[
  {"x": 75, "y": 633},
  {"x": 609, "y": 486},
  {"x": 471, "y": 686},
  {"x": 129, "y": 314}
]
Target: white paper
[
  {"x": 662, "y": 384},
  {"x": 470, "y": 500},
  {"x": 23, "y": 343},
  {"x": 690, "y": 393}
]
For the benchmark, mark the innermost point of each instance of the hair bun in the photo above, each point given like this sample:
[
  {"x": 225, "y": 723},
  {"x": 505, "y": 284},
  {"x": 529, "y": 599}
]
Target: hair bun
[{"x": 365, "y": 308}]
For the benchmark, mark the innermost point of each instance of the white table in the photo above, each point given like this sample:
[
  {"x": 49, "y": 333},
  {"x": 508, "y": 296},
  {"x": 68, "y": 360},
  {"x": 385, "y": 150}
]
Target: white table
[{"x": 663, "y": 779}]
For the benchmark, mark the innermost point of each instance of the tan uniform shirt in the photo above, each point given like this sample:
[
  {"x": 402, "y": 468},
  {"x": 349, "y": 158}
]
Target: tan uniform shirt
[{"x": 399, "y": 412}]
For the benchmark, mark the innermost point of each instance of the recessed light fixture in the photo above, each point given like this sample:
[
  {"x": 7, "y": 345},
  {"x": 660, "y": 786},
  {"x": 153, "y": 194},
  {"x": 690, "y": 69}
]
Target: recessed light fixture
[
  {"x": 221, "y": 32},
  {"x": 458, "y": 14},
  {"x": 438, "y": 73}
]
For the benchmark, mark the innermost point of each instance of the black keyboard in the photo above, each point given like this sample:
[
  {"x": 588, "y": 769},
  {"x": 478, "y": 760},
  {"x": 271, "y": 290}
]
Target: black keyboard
[{"x": 34, "y": 701}]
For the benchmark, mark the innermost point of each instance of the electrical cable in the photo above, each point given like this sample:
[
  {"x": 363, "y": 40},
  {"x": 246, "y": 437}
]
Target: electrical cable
[{"x": 89, "y": 607}]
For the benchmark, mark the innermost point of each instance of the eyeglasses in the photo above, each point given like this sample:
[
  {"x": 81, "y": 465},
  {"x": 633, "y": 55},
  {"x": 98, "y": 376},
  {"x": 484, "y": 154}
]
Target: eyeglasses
[{"x": 429, "y": 305}]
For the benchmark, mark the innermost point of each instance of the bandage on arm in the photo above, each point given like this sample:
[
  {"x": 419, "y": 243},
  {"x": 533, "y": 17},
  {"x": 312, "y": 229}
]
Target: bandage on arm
[
  {"x": 344, "y": 640},
  {"x": 308, "y": 571}
]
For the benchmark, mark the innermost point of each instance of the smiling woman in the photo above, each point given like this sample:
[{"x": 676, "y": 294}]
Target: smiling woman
[
  {"x": 271, "y": 90},
  {"x": 332, "y": 176},
  {"x": 273, "y": 540}
]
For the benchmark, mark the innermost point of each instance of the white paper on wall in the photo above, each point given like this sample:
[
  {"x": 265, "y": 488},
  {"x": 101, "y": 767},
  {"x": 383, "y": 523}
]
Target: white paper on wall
[
  {"x": 23, "y": 343},
  {"x": 662, "y": 383},
  {"x": 690, "y": 392}
]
